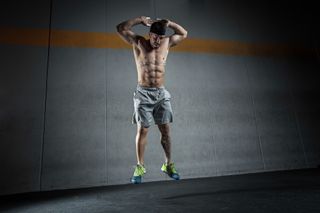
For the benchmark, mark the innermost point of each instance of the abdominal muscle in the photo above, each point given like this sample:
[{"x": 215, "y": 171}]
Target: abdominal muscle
[{"x": 150, "y": 75}]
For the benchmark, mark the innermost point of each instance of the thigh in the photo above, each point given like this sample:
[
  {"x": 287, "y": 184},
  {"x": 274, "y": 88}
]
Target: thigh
[
  {"x": 163, "y": 112},
  {"x": 142, "y": 111}
]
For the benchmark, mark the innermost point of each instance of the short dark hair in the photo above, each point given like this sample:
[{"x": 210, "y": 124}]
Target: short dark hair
[{"x": 158, "y": 28}]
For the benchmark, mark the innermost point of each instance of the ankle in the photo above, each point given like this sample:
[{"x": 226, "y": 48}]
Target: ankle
[
  {"x": 140, "y": 164},
  {"x": 168, "y": 163}
]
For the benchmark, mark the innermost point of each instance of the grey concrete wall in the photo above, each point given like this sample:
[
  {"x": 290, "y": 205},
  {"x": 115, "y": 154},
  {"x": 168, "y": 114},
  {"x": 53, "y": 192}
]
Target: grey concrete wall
[
  {"x": 22, "y": 99},
  {"x": 75, "y": 127},
  {"x": 66, "y": 120}
]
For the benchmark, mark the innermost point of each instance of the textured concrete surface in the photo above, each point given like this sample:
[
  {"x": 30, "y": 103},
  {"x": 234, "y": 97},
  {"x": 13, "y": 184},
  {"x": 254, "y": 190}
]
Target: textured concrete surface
[
  {"x": 286, "y": 191},
  {"x": 75, "y": 137},
  {"x": 232, "y": 114},
  {"x": 22, "y": 83},
  {"x": 22, "y": 99}
]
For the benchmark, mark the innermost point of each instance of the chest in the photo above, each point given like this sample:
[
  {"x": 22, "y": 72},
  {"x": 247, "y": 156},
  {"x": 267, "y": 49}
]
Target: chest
[{"x": 145, "y": 51}]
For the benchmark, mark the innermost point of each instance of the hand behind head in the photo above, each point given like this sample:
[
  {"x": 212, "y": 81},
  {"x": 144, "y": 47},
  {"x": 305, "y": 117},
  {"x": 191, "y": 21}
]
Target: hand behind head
[{"x": 147, "y": 21}]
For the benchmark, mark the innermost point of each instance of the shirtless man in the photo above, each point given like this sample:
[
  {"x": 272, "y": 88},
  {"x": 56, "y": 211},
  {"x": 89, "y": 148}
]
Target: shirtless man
[{"x": 151, "y": 99}]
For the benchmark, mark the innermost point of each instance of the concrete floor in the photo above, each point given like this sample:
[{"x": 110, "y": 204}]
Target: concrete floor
[{"x": 283, "y": 191}]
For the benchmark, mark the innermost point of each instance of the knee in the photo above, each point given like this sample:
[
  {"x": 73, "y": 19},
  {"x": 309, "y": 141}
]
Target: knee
[
  {"x": 142, "y": 131},
  {"x": 164, "y": 130},
  {"x": 165, "y": 137}
]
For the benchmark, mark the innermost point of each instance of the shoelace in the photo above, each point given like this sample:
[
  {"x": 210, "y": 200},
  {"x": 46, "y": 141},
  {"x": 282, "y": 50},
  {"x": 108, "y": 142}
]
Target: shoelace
[
  {"x": 173, "y": 170},
  {"x": 139, "y": 170}
]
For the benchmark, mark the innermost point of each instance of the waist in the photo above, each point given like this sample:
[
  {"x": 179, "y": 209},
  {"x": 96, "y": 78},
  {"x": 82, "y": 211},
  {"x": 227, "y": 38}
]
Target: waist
[{"x": 139, "y": 87}]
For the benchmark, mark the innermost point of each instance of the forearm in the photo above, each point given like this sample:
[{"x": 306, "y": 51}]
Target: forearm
[
  {"x": 177, "y": 28},
  {"x": 127, "y": 25}
]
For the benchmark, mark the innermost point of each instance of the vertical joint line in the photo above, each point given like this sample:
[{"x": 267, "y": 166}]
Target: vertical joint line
[
  {"x": 299, "y": 129},
  {"x": 255, "y": 120},
  {"x": 45, "y": 97},
  {"x": 105, "y": 74},
  {"x": 154, "y": 9}
]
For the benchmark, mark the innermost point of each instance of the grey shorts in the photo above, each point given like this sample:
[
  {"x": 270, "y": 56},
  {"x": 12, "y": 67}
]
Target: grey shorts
[{"x": 151, "y": 104}]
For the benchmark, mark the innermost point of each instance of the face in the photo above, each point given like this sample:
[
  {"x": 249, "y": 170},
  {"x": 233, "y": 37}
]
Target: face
[{"x": 155, "y": 40}]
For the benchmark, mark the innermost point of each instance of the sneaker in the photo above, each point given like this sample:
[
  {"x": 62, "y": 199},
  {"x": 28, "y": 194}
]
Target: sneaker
[
  {"x": 137, "y": 175},
  {"x": 170, "y": 171}
]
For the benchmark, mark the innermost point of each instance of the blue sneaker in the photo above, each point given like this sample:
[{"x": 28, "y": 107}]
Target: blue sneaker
[
  {"x": 170, "y": 170},
  {"x": 137, "y": 175}
]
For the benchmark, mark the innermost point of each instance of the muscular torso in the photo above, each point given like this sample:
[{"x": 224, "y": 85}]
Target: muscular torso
[{"x": 151, "y": 62}]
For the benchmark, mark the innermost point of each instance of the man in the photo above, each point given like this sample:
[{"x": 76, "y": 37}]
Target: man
[{"x": 151, "y": 99}]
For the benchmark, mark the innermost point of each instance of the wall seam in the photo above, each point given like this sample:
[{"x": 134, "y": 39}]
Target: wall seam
[
  {"x": 106, "y": 90},
  {"x": 214, "y": 144},
  {"x": 45, "y": 97},
  {"x": 298, "y": 128},
  {"x": 255, "y": 118},
  {"x": 154, "y": 9}
]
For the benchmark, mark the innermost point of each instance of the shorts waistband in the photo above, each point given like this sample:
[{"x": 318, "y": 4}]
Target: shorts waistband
[{"x": 150, "y": 88}]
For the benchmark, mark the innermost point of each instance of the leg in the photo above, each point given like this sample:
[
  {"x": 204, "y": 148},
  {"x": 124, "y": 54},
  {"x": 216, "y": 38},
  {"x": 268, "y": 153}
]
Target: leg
[
  {"x": 141, "y": 141},
  {"x": 165, "y": 141}
]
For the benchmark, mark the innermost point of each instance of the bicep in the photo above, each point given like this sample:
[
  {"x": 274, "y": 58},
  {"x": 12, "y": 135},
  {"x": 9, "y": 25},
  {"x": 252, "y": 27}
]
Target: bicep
[{"x": 175, "y": 39}]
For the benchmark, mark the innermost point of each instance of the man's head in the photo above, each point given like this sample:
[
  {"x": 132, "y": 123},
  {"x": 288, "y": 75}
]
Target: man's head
[
  {"x": 157, "y": 32},
  {"x": 158, "y": 27}
]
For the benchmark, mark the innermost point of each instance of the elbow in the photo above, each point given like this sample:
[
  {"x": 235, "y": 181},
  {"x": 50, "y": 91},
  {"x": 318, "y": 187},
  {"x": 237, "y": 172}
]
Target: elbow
[
  {"x": 185, "y": 35},
  {"x": 119, "y": 28}
]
